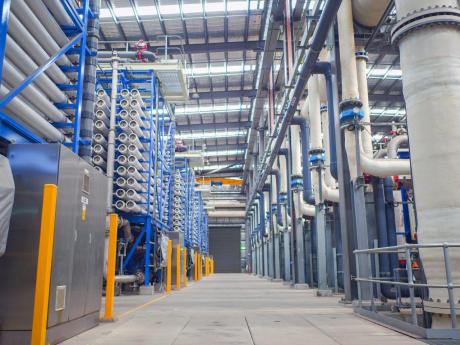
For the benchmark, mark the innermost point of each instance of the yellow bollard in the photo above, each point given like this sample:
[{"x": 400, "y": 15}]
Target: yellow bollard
[
  {"x": 178, "y": 269},
  {"x": 184, "y": 281},
  {"x": 169, "y": 267},
  {"x": 195, "y": 266},
  {"x": 45, "y": 259},
  {"x": 111, "y": 262},
  {"x": 200, "y": 267}
]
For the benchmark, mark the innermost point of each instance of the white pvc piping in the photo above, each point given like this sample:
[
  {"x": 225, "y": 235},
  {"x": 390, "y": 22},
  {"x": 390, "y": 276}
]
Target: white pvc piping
[
  {"x": 111, "y": 133},
  {"x": 368, "y": 12},
  {"x": 350, "y": 91},
  {"x": 430, "y": 63},
  {"x": 283, "y": 171},
  {"x": 366, "y": 134},
  {"x": 296, "y": 154}
]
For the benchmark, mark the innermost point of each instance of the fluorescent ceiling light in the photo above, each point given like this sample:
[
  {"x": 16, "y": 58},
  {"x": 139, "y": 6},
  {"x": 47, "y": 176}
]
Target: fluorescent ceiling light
[
  {"x": 211, "y": 135},
  {"x": 211, "y": 109},
  {"x": 210, "y": 7}
]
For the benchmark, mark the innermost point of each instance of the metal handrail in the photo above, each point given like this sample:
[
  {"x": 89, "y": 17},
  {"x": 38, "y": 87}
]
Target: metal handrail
[{"x": 408, "y": 249}]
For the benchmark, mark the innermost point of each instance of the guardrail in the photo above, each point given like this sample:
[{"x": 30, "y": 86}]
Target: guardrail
[{"x": 408, "y": 250}]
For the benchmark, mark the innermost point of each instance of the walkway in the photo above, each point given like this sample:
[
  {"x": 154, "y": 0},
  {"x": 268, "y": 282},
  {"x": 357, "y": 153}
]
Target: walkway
[{"x": 237, "y": 309}]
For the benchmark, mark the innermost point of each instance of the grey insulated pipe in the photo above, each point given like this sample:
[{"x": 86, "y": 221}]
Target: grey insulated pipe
[
  {"x": 111, "y": 136},
  {"x": 308, "y": 196},
  {"x": 89, "y": 82}
]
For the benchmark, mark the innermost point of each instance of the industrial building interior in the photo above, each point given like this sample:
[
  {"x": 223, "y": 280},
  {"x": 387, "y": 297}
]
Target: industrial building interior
[{"x": 229, "y": 172}]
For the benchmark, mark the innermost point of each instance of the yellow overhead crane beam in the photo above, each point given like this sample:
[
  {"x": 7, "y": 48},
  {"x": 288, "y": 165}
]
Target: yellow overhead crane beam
[{"x": 223, "y": 180}]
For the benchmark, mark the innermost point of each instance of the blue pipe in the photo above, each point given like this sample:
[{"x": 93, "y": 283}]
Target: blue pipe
[
  {"x": 261, "y": 198},
  {"x": 390, "y": 216},
  {"x": 279, "y": 218},
  {"x": 386, "y": 229},
  {"x": 308, "y": 196},
  {"x": 406, "y": 217},
  {"x": 381, "y": 222},
  {"x": 325, "y": 68},
  {"x": 285, "y": 152}
]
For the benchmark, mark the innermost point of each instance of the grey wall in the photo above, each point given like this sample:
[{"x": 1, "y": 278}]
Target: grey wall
[{"x": 224, "y": 245}]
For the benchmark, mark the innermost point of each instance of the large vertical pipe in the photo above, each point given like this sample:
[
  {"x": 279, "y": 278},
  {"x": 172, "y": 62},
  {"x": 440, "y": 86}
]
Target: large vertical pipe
[
  {"x": 87, "y": 111},
  {"x": 430, "y": 63},
  {"x": 111, "y": 137}
]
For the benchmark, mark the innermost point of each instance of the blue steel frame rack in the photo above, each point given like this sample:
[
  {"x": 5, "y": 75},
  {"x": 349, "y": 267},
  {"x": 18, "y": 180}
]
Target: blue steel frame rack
[
  {"x": 12, "y": 130},
  {"x": 161, "y": 131}
]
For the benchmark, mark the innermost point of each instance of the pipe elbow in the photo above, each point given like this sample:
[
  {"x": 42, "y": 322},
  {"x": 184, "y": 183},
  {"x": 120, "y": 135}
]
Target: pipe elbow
[
  {"x": 385, "y": 167},
  {"x": 307, "y": 210},
  {"x": 330, "y": 194}
]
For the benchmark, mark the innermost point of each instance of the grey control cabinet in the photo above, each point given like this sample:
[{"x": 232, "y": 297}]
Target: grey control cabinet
[{"x": 77, "y": 266}]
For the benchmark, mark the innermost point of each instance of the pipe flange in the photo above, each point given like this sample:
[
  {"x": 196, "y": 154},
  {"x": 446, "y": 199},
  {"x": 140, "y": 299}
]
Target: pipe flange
[
  {"x": 283, "y": 198},
  {"x": 362, "y": 54},
  {"x": 323, "y": 108},
  {"x": 444, "y": 15},
  {"x": 350, "y": 110},
  {"x": 274, "y": 208},
  {"x": 296, "y": 183}
]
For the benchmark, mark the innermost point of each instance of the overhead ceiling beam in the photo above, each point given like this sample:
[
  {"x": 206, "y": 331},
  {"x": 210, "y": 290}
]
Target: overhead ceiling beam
[
  {"x": 218, "y": 47},
  {"x": 224, "y": 94},
  {"x": 386, "y": 98},
  {"x": 222, "y": 147},
  {"x": 208, "y": 126}
]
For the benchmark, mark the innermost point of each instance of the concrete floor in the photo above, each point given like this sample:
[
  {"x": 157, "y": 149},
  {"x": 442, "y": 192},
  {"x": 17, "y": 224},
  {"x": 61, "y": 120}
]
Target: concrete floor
[{"x": 237, "y": 309}]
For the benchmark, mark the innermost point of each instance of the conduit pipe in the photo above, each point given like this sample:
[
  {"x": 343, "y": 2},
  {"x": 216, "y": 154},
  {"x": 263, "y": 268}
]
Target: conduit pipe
[
  {"x": 351, "y": 102},
  {"x": 314, "y": 117},
  {"x": 284, "y": 153},
  {"x": 430, "y": 64},
  {"x": 277, "y": 175},
  {"x": 303, "y": 170},
  {"x": 111, "y": 135}
]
